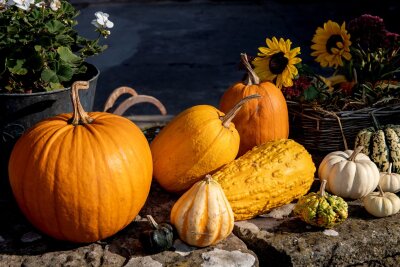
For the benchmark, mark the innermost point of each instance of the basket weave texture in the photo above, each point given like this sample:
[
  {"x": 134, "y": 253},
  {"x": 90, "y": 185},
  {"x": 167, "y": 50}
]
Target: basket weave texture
[{"x": 324, "y": 131}]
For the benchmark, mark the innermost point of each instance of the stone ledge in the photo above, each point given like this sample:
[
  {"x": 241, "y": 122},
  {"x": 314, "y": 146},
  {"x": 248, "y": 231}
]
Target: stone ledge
[{"x": 362, "y": 240}]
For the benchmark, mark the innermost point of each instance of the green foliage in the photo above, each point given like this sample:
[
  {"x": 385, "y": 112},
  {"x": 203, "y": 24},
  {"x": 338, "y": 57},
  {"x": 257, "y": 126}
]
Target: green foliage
[{"x": 40, "y": 49}]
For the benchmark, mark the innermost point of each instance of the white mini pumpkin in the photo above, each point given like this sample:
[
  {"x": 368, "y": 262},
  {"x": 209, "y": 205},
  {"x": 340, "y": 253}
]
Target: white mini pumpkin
[
  {"x": 390, "y": 182},
  {"x": 382, "y": 204},
  {"x": 350, "y": 174}
]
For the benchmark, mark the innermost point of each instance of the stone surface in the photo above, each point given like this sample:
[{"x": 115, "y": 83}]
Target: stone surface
[
  {"x": 362, "y": 240},
  {"x": 277, "y": 239},
  {"x": 23, "y": 246}
]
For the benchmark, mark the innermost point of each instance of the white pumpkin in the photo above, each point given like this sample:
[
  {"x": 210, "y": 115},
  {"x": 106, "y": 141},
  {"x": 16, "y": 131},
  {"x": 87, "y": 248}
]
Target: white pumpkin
[
  {"x": 350, "y": 174},
  {"x": 382, "y": 204},
  {"x": 390, "y": 182}
]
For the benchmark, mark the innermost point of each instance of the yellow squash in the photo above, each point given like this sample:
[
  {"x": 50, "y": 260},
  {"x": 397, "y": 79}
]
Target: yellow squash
[
  {"x": 266, "y": 177},
  {"x": 198, "y": 141}
]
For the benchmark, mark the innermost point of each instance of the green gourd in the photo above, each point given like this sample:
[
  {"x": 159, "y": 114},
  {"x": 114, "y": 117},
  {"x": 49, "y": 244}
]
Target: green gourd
[
  {"x": 158, "y": 239},
  {"x": 321, "y": 209}
]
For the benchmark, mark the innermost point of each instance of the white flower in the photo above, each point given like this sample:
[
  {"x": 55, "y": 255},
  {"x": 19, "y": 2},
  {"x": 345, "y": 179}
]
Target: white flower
[
  {"x": 3, "y": 5},
  {"x": 55, "y": 5},
  {"x": 22, "y": 4},
  {"x": 40, "y": 4},
  {"x": 102, "y": 20}
]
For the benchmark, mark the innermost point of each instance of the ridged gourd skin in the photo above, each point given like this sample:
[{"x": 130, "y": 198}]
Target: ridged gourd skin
[
  {"x": 202, "y": 215},
  {"x": 266, "y": 177},
  {"x": 382, "y": 204},
  {"x": 81, "y": 183},
  {"x": 382, "y": 145},
  {"x": 389, "y": 181},
  {"x": 321, "y": 209},
  {"x": 192, "y": 145},
  {"x": 350, "y": 174}
]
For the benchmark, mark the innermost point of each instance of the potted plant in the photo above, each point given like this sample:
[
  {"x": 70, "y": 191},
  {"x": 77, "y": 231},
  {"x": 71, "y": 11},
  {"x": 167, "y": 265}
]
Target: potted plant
[{"x": 41, "y": 54}]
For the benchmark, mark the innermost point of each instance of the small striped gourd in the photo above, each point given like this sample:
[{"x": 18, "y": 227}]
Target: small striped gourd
[
  {"x": 268, "y": 176},
  {"x": 382, "y": 145},
  {"x": 203, "y": 216}
]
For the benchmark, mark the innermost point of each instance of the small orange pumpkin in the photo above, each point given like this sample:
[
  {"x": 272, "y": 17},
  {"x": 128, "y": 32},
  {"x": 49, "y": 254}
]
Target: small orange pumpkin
[
  {"x": 83, "y": 178},
  {"x": 198, "y": 141},
  {"x": 265, "y": 119}
]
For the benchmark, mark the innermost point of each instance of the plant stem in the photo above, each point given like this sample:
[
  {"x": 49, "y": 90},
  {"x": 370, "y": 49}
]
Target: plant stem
[
  {"x": 252, "y": 76},
  {"x": 153, "y": 223},
  {"x": 390, "y": 168},
  {"x": 208, "y": 178},
  {"x": 227, "y": 119},
  {"x": 355, "y": 153},
  {"x": 381, "y": 193},
  {"x": 79, "y": 115},
  {"x": 322, "y": 188}
]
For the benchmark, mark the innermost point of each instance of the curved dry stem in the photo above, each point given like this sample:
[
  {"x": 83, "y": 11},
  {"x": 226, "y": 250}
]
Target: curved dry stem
[
  {"x": 251, "y": 74},
  {"x": 322, "y": 188},
  {"x": 151, "y": 220},
  {"x": 79, "y": 115},
  {"x": 381, "y": 193},
  {"x": 355, "y": 153},
  {"x": 227, "y": 119}
]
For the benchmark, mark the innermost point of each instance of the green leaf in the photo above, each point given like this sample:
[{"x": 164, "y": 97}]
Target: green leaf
[
  {"x": 67, "y": 56},
  {"x": 54, "y": 26},
  {"x": 12, "y": 30},
  {"x": 38, "y": 48},
  {"x": 49, "y": 75},
  {"x": 64, "y": 40},
  {"x": 16, "y": 66},
  {"x": 55, "y": 86},
  {"x": 64, "y": 73},
  {"x": 310, "y": 93},
  {"x": 35, "y": 62}
]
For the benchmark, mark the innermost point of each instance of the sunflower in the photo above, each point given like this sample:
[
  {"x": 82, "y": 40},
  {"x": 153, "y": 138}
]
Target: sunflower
[
  {"x": 276, "y": 62},
  {"x": 331, "y": 44}
]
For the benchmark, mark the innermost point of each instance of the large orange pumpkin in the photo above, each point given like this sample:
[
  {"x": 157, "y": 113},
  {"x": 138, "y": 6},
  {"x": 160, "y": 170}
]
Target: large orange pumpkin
[
  {"x": 81, "y": 177},
  {"x": 259, "y": 121}
]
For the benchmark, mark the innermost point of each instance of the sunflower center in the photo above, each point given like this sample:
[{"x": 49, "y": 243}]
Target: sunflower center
[
  {"x": 332, "y": 42},
  {"x": 278, "y": 63}
]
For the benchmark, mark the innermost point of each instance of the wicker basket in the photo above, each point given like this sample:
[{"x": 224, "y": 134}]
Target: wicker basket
[{"x": 323, "y": 131}]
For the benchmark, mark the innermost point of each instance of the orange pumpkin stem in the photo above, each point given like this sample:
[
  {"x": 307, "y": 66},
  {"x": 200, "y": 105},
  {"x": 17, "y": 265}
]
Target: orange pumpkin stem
[
  {"x": 355, "y": 153},
  {"x": 252, "y": 77},
  {"x": 153, "y": 223},
  {"x": 79, "y": 115},
  {"x": 322, "y": 188},
  {"x": 227, "y": 119}
]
